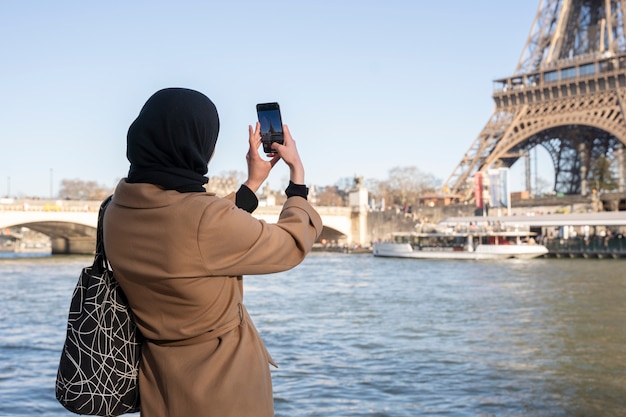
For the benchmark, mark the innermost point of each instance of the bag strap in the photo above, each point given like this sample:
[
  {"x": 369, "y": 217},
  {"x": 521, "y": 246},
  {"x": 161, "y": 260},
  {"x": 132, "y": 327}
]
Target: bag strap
[{"x": 101, "y": 258}]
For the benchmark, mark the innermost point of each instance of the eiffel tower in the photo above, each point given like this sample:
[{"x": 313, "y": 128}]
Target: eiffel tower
[{"x": 567, "y": 95}]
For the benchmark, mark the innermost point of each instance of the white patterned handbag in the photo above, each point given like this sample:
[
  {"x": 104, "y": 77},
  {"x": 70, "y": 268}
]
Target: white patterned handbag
[{"x": 99, "y": 367}]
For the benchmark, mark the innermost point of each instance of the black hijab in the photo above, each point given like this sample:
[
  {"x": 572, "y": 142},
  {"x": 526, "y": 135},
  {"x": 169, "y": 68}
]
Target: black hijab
[{"x": 171, "y": 141}]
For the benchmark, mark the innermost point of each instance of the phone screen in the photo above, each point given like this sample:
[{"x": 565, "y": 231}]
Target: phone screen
[{"x": 271, "y": 124}]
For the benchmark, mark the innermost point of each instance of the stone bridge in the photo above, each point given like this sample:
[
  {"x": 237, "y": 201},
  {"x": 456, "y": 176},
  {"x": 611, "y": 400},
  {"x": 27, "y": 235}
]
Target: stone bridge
[{"x": 71, "y": 225}]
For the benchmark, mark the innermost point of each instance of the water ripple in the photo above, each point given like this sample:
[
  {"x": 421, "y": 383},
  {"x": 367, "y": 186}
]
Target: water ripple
[{"x": 360, "y": 336}]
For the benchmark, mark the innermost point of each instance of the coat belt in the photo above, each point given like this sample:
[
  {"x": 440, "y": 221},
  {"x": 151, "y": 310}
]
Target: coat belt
[{"x": 204, "y": 337}]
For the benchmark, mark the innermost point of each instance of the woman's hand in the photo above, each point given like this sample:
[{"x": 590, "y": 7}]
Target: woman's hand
[
  {"x": 289, "y": 153},
  {"x": 258, "y": 168}
]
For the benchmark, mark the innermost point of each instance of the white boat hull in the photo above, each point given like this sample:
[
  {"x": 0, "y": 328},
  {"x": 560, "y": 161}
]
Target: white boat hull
[{"x": 483, "y": 251}]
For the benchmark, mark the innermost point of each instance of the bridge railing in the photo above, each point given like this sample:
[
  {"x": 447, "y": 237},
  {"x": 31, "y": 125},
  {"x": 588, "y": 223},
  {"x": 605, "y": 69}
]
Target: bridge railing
[{"x": 7, "y": 204}]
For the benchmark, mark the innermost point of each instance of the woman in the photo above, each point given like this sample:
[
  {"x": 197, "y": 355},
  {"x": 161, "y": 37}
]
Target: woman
[{"x": 179, "y": 254}]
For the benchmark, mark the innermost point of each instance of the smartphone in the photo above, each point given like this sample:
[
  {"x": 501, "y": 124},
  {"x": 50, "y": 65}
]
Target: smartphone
[{"x": 271, "y": 125}]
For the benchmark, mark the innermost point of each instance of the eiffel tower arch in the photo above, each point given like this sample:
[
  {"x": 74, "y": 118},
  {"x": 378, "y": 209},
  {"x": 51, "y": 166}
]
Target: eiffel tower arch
[{"x": 567, "y": 94}]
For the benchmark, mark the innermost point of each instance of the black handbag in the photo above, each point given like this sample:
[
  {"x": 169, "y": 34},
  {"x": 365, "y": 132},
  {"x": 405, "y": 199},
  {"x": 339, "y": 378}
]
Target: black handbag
[{"x": 99, "y": 367}]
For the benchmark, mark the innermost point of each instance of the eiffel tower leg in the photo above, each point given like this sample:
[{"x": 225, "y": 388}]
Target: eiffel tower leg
[
  {"x": 528, "y": 171},
  {"x": 584, "y": 163},
  {"x": 620, "y": 156}
]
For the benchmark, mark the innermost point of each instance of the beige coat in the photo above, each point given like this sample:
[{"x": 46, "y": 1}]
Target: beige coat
[{"x": 180, "y": 258}]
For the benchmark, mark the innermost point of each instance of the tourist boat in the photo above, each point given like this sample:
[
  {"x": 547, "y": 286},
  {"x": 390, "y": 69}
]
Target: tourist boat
[{"x": 474, "y": 240}]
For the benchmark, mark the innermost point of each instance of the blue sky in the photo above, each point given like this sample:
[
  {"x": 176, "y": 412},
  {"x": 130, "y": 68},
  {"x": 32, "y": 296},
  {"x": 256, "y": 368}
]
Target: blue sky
[{"x": 364, "y": 86}]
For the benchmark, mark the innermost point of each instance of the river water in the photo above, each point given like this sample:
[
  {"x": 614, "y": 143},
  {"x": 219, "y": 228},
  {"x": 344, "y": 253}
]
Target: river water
[{"x": 355, "y": 335}]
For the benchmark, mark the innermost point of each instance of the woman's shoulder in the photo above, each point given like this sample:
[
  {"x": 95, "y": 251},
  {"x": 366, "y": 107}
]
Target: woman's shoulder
[{"x": 145, "y": 195}]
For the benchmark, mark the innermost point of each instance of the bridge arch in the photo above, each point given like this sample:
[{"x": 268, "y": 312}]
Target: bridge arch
[
  {"x": 337, "y": 221},
  {"x": 331, "y": 235},
  {"x": 69, "y": 232}
]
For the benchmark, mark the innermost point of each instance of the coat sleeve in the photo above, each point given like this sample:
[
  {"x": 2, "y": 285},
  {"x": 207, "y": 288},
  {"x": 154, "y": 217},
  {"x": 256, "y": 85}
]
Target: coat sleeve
[{"x": 233, "y": 242}]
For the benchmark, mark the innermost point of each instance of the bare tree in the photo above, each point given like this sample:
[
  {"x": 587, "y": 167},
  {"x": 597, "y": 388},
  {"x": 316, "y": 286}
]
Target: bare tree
[
  {"x": 602, "y": 176},
  {"x": 542, "y": 186},
  {"x": 405, "y": 185},
  {"x": 345, "y": 184},
  {"x": 330, "y": 196},
  {"x": 77, "y": 189}
]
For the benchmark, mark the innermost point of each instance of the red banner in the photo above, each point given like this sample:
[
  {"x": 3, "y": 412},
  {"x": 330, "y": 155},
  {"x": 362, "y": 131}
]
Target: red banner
[{"x": 478, "y": 189}]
